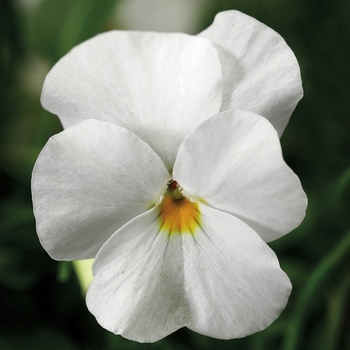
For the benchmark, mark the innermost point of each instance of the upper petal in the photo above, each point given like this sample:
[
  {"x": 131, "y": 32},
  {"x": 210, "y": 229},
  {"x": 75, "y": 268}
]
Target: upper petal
[
  {"x": 88, "y": 181},
  {"x": 234, "y": 162},
  {"x": 260, "y": 71},
  {"x": 157, "y": 85}
]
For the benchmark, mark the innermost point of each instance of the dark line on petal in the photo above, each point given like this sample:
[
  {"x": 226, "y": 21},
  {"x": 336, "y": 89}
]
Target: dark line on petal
[
  {"x": 166, "y": 247},
  {"x": 199, "y": 224}
]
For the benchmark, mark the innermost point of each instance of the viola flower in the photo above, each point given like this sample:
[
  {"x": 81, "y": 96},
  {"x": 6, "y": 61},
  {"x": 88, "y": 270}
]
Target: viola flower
[{"x": 170, "y": 174}]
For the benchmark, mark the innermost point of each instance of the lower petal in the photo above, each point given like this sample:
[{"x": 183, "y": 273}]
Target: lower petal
[
  {"x": 234, "y": 284},
  {"x": 137, "y": 290},
  {"x": 222, "y": 280}
]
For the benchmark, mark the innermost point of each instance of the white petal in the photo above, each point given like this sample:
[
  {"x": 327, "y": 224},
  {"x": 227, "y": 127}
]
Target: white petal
[
  {"x": 88, "y": 181},
  {"x": 224, "y": 281},
  {"x": 233, "y": 280},
  {"x": 157, "y": 85},
  {"x": 234, "y": 162},
  {"x": 138, "y": 289},
  {"x": 260, "y": 72}
]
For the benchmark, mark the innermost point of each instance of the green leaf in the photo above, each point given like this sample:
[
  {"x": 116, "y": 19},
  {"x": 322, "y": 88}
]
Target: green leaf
[
  {"x": 64, "y": 271},
  {"x": 42, "y": 339},
  {"x": 304, "y": 304},
  {"x": 337, "y": 313},
  {"x": 58, "y": 25}
]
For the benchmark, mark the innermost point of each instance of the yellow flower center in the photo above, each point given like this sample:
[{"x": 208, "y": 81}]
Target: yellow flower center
[{"x": 177, "y": 214}]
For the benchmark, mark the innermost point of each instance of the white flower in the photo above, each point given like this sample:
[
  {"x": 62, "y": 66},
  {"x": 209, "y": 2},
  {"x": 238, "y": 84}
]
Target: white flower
[{"x": 166, "y": 175}]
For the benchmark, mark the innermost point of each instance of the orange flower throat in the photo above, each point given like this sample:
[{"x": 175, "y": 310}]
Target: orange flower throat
[{"x": 177, "y": 214}]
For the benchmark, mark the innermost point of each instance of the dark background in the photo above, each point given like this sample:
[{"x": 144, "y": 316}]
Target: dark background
[{"x": 41, "y": 302}]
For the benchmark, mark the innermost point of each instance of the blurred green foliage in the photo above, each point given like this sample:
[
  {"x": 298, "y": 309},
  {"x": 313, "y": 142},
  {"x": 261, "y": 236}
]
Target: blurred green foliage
[{"x": 41, "y": 303}]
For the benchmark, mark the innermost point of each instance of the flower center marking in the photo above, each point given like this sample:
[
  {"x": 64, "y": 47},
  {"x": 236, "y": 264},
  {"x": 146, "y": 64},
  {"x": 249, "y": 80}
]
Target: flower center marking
[{"x": 177, "y": 214}]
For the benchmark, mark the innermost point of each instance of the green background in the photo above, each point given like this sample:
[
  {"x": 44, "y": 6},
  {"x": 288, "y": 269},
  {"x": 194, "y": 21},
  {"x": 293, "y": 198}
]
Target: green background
[{"x": 41, "y": 303}]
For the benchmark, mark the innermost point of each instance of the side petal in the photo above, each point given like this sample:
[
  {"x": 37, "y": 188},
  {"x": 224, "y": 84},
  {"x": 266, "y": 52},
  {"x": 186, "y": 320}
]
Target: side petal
[
  {"x": 233, "y": 161},
  {"x": 157, "y": 85},
  {"x": 88, "y": 181},
  {"x": 234, "y": 284},
  {"x": 260, "y": 71},
  {"x": 138, "y": 290}
]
